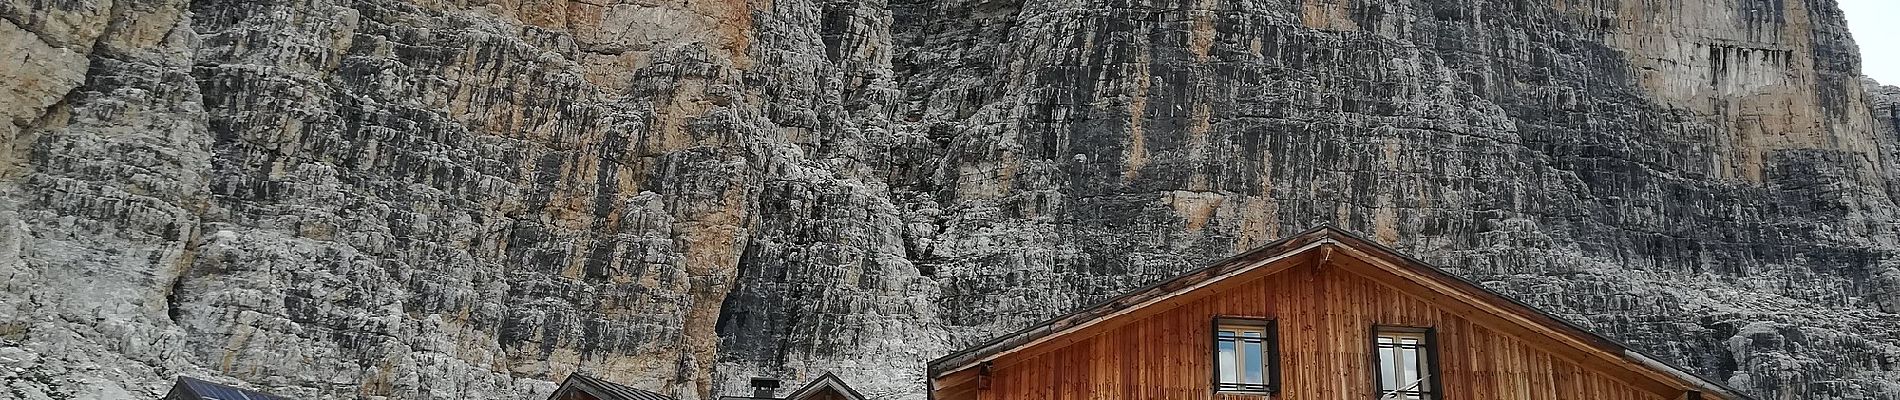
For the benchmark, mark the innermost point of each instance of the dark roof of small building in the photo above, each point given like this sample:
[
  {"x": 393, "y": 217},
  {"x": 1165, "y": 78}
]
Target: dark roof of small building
[
  {"x": 189, "y": 388},
  {"x": 826, "y": 381},
  {"x": 604, "y": 389}
]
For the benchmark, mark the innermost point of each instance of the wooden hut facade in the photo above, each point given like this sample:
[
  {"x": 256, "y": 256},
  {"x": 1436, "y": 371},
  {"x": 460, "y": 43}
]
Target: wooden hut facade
[{"x": 1324, "y": 315}]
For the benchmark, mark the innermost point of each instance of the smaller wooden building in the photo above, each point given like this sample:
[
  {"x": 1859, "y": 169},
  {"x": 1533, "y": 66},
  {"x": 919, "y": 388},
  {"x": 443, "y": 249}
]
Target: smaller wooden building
[
  {"x": 826, "y": 387},
  {"x": 580, "y": 386},
  {"x": 189, "y": 388},
  {"x": 1323, "y": 315}
]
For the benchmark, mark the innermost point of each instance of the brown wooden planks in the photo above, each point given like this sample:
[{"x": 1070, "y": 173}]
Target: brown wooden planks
[{"x": 1324, "y": 314}]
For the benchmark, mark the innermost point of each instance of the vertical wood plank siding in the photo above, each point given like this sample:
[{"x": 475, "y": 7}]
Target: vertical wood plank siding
[
  {"x": 826, "y": 395},
  {"x": 1324, "y": 314}
]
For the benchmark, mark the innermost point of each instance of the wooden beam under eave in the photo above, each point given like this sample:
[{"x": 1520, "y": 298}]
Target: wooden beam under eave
[
  {"x": 960, "y": 392},
  {"x": 955, "y": 379}
]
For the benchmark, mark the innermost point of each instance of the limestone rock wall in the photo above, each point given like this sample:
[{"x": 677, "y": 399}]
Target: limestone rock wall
[{"x": 436, "y": 199}]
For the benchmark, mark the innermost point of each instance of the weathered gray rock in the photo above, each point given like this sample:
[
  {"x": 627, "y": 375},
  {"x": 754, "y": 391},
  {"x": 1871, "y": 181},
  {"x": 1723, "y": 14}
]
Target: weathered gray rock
[{"x": 456, "y": 199}]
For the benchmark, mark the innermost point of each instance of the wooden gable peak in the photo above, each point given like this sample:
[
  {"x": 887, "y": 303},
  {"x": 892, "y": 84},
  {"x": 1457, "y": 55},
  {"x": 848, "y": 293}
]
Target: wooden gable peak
[{"x": 828, "y": 381}]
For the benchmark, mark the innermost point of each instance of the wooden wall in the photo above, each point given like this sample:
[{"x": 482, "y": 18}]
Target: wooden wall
[
  {"x": 1324, "y": 315},
  {"x": 574, "y": 395},
  {"x": 826, "y": 394}
]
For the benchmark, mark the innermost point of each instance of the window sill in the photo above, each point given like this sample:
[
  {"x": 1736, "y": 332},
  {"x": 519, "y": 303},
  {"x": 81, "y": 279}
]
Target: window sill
[{"x": 1245, "y": 392}]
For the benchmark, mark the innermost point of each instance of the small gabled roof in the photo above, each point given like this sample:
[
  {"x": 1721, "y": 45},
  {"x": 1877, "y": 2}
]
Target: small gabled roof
[
  {"x": 189, "y": 388},
  {"x": 1326, "y": 243},
  {"x": 602, "y": 389},
  {"x": 826, "y": 381}
]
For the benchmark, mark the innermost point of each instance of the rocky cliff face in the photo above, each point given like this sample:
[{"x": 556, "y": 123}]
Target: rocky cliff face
[
  {"x": 1886, "y": 113},
  {"x": 437, "y": 199}
]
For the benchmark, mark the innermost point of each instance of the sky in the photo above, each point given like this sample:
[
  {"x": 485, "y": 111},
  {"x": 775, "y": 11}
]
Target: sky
[{"x": 1878, "y": 34}]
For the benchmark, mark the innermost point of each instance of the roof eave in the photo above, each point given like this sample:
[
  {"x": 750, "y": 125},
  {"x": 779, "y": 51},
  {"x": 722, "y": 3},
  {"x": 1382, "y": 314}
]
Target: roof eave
[{"x": 1240, "y": 263}]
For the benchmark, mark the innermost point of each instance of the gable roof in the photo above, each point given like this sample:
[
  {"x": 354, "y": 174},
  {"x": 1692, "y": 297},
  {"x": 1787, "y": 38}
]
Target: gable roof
[
  {"x": 1326, "y": 243},
  {"x": 603, "y": 389},
  {"x": 826, "y": 381},
  {"x": 189, "y": 388}
]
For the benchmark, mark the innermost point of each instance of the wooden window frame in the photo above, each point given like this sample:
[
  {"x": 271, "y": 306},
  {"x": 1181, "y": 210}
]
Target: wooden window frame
[
  {"x": 1270, "y": 353},
  {"x": 1431, "y": 355}
]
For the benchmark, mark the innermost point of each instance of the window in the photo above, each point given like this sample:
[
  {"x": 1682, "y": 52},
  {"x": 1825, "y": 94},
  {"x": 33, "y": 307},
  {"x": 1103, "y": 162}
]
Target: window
[
  {"x": 1244, "y": 355},
  {"x": 1405, "y": 367}
]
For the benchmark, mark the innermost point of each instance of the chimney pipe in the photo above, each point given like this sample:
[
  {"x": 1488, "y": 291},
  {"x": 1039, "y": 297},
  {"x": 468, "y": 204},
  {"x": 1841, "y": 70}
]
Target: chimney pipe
[{"x": 764, "y": 388}]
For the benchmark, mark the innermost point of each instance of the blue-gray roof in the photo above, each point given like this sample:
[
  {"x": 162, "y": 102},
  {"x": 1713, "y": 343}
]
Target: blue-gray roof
[{"x": 189, "y": 388}]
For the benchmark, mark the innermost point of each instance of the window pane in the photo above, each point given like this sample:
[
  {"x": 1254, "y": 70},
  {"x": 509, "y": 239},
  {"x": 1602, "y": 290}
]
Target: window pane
[
  {"x": 1386, "y": 366},
  {"x": 1253, "y": 357},
  {"x": 1227, "y": 361},
  {"x": 1408, "y": 358}
]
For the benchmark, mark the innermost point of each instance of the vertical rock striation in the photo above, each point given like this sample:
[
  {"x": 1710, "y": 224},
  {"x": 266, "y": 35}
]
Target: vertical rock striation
[{"x": 468, "y": 199}]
